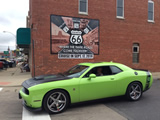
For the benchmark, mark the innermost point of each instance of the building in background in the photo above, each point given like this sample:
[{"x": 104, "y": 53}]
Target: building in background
[{"x": 64, "y": 33}]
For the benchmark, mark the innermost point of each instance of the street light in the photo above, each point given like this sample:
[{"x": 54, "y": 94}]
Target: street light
[
  {"x": 10, "y": 33},
  {"x": 15, "y": 40}
]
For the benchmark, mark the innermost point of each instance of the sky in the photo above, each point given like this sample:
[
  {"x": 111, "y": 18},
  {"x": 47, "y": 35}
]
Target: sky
[{"x": 12, "y": 16}]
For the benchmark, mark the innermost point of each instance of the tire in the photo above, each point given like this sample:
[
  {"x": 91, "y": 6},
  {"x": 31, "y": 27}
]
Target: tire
[
  {"x": 134, "y": 91},
  {"x": 56, "y": 101}
]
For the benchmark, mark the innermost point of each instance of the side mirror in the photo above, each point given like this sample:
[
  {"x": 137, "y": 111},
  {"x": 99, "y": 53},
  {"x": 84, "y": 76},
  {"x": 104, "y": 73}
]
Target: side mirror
[{"x": 91, "y": 76}]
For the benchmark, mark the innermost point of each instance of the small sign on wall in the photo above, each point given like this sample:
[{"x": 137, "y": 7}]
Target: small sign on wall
[{"x": 74, "y": 38}]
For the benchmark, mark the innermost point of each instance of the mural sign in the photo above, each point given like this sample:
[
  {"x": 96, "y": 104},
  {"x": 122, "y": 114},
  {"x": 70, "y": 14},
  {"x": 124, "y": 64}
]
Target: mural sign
[{"x": 74, "y": 38}]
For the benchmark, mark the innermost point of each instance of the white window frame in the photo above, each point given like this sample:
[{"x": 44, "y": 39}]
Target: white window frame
[
  {"x": 84, "y": 13},
  {"x": 120, "y": 17},
  {"x": 137, "y": 49},
  {"x": 150, "y": 1},
  {"x": 135, "y": 54}
]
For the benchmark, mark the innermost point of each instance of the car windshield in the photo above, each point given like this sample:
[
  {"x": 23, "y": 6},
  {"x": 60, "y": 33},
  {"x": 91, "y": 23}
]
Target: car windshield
[{"x": 76, "y": 71}]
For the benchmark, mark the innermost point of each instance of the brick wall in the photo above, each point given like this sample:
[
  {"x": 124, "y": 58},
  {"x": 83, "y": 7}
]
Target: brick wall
[{"x": 116, "y": 35}]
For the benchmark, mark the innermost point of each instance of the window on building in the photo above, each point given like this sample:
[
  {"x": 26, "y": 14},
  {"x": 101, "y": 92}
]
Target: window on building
[
  {"x": 150, "y": 11},
  {"x": 135, "y": 52},
  {"x": 120, "y": 8},
  {"x": 83, "y": 6}
]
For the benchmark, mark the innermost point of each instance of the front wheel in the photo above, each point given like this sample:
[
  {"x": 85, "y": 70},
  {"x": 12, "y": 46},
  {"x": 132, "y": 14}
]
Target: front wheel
[
  {"x": 56, "y": 101},
  {"x": 134, "y": 91}
]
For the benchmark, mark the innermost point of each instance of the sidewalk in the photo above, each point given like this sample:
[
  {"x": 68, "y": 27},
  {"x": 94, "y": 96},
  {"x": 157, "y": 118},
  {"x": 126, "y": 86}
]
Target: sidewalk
[
  {"x": 13, "y": 77},
  {"x": 156, "y": 75}
]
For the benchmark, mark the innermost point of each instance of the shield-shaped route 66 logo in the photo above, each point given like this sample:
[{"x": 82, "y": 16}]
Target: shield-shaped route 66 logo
[{"x": 76, "y": 39}]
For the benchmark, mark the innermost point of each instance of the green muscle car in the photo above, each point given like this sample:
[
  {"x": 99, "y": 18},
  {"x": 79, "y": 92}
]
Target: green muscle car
[{"x": 84, "y": 82}]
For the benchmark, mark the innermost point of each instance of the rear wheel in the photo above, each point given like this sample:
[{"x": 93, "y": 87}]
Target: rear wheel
[
  {"x": 134, "y": 91},
  {"x": 56, "y": 101}
]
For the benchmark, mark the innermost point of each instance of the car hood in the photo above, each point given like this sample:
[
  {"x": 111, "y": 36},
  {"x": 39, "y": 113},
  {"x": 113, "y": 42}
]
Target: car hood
[{"x": 43, "y": 79}]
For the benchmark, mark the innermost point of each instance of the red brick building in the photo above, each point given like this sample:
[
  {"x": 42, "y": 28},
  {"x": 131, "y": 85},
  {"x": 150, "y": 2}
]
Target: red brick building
[{"x": 124, "y": 31}]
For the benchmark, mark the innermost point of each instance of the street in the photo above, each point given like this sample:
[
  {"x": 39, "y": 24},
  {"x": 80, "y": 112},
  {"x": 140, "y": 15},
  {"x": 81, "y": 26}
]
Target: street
[
  {"x": 118, "y": 108},
  {"x": 147, "y": 108},
  {"x": 12, "y": 109}
]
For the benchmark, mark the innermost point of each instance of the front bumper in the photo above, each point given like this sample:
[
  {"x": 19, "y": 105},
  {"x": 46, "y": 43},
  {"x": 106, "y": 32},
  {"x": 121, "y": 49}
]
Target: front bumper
[
  {"x": 27, "y": 102},
  {"x": 30, "y": 108}
]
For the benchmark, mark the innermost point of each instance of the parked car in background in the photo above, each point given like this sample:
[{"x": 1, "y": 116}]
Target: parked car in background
[
  {"x": 9, "y": 63},
  {"x": 20, "y": 59},
  {"x": 5, "y": 63},
  {"x": 13, "y": 62},
  {"x": 1, "y": 65}
]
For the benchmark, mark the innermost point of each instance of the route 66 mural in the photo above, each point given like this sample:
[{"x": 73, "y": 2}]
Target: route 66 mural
[{"x": 74, "y": 38}]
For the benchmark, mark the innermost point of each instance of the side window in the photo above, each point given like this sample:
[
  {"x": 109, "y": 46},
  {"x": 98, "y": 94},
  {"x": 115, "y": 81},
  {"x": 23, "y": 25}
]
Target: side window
[
  {"x": 107, "y": 70},
  {"x": 92, "y": 71},
  {"x": 115, "y": 70},
  {"x": 100, "y": 71}
]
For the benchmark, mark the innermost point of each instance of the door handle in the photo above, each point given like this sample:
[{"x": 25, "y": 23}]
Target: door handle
[{"x": 112, "y": 78}]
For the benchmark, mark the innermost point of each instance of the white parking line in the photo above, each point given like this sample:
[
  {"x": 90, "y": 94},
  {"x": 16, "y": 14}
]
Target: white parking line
[
  {"x": 26, "y": 115},
  {"x": 1, "y": 89}
]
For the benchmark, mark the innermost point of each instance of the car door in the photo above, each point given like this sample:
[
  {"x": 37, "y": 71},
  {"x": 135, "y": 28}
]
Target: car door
[{"x": 99, "y": 87}]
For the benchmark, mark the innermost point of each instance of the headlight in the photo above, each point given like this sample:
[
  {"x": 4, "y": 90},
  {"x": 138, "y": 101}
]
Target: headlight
[{"x": 26, "y": 91}]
